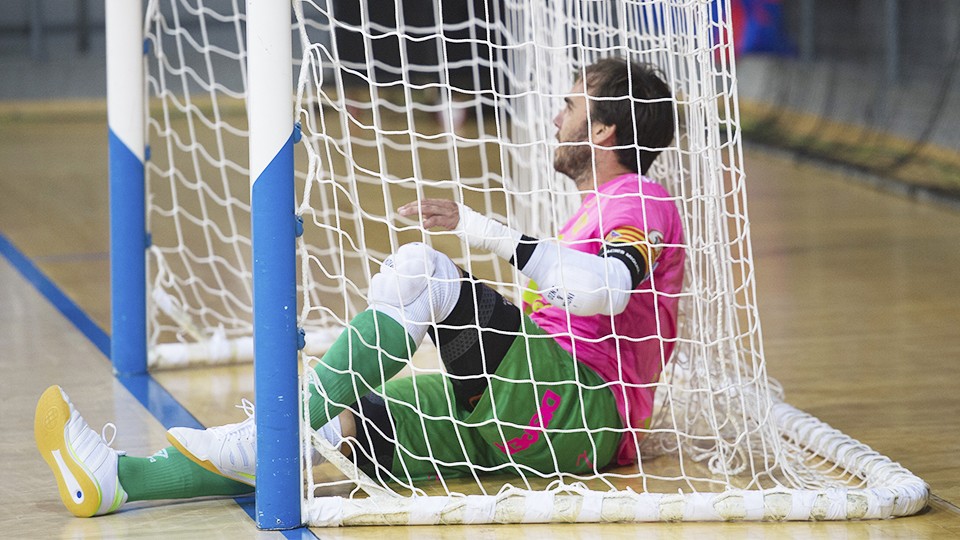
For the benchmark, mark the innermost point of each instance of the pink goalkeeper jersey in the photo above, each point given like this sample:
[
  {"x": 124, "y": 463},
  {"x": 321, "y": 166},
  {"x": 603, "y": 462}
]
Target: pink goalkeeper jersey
[{"x": 630, "y": 348}]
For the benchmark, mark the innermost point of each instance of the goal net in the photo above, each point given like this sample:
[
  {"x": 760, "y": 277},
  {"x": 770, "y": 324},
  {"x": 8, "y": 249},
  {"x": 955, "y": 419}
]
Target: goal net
[{"x": 402, "y": 101}]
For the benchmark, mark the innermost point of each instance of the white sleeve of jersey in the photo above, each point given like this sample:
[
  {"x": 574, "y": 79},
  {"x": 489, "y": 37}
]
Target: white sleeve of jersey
[{"x": 578, "y": 282}]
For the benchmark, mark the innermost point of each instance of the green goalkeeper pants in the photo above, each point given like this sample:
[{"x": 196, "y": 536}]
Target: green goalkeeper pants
[{"x": 542, "y": 412}]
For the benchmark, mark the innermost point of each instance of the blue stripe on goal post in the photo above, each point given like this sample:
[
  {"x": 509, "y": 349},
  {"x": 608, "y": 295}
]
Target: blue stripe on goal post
[
  {"x": 275, "y": 344},
  {"x": 128, "y": 267}
]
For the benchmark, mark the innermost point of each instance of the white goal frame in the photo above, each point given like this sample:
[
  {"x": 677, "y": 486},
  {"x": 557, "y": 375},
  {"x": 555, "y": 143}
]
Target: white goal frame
[{"x": 887, "y": 489}]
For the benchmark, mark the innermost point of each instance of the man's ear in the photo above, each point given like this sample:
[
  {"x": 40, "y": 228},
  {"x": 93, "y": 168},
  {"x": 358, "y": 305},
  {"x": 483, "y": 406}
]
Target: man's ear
[{"x": 604, "y": 134}]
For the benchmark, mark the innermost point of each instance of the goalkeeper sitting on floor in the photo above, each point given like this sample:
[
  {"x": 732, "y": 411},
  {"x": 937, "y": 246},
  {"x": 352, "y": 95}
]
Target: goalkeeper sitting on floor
[{"x": 563, "y": 386}]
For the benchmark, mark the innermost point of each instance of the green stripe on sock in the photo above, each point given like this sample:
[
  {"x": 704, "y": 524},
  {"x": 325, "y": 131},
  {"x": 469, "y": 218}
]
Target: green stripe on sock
[
  {"x": 168, "y": 474},
  {"x": 371, "y": 342}
]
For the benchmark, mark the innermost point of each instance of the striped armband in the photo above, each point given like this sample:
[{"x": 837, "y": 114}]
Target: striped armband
[{"x": 638, "y": 251}]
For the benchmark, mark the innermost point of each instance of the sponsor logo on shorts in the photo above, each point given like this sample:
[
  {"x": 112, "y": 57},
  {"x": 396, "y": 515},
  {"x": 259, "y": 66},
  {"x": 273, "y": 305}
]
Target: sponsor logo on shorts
[
  {"x": 585, "y": 458},
  {"x": 540, "y": 421}
]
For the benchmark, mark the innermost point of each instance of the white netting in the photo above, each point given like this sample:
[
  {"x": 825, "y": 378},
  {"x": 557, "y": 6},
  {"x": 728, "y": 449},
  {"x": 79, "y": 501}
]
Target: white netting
[
  {"x": 198, "y": 183},
  {"x": 401, "y": 101}
]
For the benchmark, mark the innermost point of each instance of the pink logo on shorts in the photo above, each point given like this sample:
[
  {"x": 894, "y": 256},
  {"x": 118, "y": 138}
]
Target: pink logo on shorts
[
  {"x": 585, "y": 457},
  {"x": 541, "y": 419}
]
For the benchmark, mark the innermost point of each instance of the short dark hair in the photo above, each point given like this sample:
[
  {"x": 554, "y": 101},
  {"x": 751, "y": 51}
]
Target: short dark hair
[{"x": 646, "y": 97}]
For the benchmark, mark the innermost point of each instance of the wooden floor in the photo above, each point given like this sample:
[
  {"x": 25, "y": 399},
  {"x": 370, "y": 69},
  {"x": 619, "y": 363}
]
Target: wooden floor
[{"x": 859, "y": 295}]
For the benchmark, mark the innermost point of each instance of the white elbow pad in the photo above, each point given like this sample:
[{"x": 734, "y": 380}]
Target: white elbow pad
[{"x": 580, "y": 283}]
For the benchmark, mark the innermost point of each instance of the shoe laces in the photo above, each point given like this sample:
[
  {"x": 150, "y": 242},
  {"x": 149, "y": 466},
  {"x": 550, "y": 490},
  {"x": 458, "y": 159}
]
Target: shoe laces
[
  {"x": 245, "y": 430},
  {"x": 248, "y": 427},
  {"x": 239, "y": 440},
  {"x": 113, "y": 433},
  {"x": 86, "y": 441},
  {"x": 246, "y": 407}
]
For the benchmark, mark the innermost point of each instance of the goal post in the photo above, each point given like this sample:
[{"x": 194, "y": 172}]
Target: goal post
[
  {"x": 128, "y": 236},
  {"x": 271, "y": 228},
  {"x": 276, "y": 381},
  {"x": 276, "y": 145}
]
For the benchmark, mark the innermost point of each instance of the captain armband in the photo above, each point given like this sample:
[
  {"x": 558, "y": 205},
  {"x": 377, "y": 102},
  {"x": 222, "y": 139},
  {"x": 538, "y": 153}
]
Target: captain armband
[
  {"x": 629, "y": 256},
  {"x": 632, "y": 247}
]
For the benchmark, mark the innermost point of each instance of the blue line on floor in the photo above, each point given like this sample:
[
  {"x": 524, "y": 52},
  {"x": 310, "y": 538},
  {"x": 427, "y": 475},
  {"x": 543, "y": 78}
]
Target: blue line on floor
[
  {"x": 51, "y": 292},
  {"x": 154, "y": 397}
]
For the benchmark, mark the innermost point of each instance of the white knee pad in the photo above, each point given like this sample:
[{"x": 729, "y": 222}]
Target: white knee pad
[{"x": 416, "y": 286}]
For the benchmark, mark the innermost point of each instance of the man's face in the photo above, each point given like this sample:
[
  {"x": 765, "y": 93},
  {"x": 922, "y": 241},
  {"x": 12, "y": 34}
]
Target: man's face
[{"x": 573, "y": 160}]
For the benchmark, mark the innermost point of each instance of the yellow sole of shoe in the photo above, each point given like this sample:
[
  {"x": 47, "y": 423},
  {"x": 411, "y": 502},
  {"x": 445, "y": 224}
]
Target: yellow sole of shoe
[
  {"x": 78, "y": 491},
  {"x": 207, "y": 464}
]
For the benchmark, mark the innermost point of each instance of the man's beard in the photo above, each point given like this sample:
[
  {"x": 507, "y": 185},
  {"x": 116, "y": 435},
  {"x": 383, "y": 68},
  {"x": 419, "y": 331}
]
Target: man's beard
[{"x": 575, "y": 160}]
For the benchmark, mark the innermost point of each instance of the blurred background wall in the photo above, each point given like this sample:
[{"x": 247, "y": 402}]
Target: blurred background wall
[
  {"x": 52, "y": 49},
  {"x": 873, "y": 85},
  {"x": 870, "y": 84}
]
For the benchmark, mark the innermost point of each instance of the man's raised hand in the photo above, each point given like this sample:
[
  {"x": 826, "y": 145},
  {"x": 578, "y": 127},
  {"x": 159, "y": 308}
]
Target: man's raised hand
[{"x": 441, "y": 213}]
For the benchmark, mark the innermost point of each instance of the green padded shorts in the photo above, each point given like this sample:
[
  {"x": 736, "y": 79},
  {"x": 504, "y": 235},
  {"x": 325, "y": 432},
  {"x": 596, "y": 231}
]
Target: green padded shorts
[{"x": 543, "y": 412}]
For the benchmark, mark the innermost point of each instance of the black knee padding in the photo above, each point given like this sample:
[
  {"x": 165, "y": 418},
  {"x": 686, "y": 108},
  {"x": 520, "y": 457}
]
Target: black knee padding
[{"x": 474, "y": 339}]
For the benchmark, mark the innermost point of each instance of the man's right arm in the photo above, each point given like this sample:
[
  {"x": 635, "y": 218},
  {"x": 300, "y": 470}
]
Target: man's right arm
[{"x": 578, "y": 282}]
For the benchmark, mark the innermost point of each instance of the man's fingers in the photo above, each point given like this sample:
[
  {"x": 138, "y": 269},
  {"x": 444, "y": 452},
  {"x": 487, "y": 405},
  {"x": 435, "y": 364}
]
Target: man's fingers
[
  {"x": 414, "y": 208},
  {"x": 428, "y": 207},
  {"x": 433, "y": 212},
  {"x": 438, "y": 221}
]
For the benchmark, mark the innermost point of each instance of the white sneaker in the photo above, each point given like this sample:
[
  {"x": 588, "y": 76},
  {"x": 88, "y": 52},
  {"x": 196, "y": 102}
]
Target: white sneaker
[
  {"x": 229, "y": 450},
  {"x": 81, "y": 459}
]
